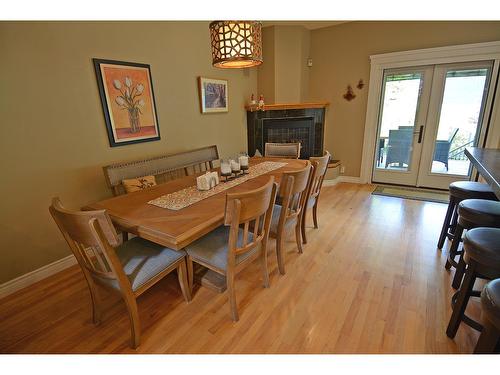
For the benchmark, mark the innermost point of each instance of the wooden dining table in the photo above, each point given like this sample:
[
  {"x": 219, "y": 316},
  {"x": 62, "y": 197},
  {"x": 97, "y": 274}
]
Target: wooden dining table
[{"x": 178, "y": 228}]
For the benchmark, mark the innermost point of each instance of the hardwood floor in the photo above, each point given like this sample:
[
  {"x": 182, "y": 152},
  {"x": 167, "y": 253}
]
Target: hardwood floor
[{"x": 370, "y": 280}]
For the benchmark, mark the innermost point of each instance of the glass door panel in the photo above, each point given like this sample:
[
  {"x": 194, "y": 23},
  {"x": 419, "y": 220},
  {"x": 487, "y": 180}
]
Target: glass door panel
[
  {"x": 399, "y": 110},
  {"x": 402, "y": 110},
  {"x": 455, "y": 119},
  {"x": 464, "y": 92}
]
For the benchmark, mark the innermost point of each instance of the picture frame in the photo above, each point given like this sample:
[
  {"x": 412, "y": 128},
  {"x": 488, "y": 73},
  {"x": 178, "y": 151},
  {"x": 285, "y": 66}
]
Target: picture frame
[
  {"x": 128, "y": 101},
  {"x": 213, "y": 95}
]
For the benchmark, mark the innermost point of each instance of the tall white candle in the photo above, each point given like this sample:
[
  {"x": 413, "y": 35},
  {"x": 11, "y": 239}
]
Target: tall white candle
[
  {"x": 235, "y": 166},
  {"x": 243, "y": 160},
  {"x": 225, "y": 168}
]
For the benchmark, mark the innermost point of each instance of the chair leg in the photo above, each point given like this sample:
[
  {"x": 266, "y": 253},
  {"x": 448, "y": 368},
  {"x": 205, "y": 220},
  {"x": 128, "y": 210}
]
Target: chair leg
[
  {"x": 457, "y": 236},
  {"x": 459, "y": 273},
  {"x": 279, "y": 254},
  {"x": 446, "y": 224},
  {"x": 190, "y": 272},
  {"x": 183, "y": 280},
  {"x": 231, "y": 292},
  {"x": 298, "y": 239},
  {"x": 461, "y": 302},
  {"x": 96, "y": 310},
  {"x": 489, "y": 339},
  {"x": 125, "y": 236},
  {"x": 263, "y": 263},
  {"x": 133, "y": 315},
  {"x": 315, "y": 214},
  {"x": 303, "y": 225}
]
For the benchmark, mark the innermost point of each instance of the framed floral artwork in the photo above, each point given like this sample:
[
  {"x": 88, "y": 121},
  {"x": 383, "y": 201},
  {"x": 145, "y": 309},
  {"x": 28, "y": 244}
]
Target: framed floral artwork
[
  {"x": 213, "y": 95},
  {"x": 128, "y": 101}
]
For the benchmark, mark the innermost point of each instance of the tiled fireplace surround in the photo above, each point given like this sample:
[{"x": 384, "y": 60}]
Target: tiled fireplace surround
[{"x": 283, "y": 124}]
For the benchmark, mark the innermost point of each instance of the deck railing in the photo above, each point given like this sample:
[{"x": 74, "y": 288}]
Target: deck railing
[{"x": 458, "y": 152}]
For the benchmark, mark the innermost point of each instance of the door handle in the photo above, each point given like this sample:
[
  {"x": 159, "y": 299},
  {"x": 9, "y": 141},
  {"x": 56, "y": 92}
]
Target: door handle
[{"x": 420, "y": 133}]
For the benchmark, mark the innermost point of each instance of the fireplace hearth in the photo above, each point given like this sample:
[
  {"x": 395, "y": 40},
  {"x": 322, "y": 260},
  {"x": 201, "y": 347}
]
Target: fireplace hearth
[{"x": 288, "y": 123}]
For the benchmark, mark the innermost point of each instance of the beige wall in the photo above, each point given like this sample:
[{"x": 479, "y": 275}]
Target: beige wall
[
  {"x": 291, "y": 51},
  {"x": 54, "y": 140},
  {"x": 341, "y": 56},
  {"x": 266, "y": 79},
  {"x": 284, "y": 76}
]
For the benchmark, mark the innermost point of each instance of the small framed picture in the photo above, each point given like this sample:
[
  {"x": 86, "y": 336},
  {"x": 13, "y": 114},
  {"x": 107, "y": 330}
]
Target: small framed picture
[
  {"x": 128, "y": 101},
  {"x": 213, "y": 95}
]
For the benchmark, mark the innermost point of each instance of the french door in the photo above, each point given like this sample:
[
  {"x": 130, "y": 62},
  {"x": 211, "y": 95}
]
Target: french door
[{"x": 427, "y": 117}]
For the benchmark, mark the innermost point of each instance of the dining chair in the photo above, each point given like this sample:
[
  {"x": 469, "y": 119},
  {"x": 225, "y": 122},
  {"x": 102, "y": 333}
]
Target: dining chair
[
  {"x": 127, "y": 269},
  {"x": 242, "y": 239},
  {"x": 292, "y": 196},
  {"x": 282, "y": 150},
  {"x": 320, "y": 166}
]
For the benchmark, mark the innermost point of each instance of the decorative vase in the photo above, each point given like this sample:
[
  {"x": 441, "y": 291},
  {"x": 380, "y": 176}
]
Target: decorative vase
[{"x": 133, "y": 117}]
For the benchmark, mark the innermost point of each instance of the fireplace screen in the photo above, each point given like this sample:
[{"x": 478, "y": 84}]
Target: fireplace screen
[{"x": 291, "y": 130}]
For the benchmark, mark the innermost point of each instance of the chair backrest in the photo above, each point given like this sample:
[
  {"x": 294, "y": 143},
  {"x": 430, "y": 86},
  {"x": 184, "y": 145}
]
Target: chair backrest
[
  {"x": 293, "y": 193},
  {"x": 320, "y": 166},
  {"x": 163, "y": 167},
  {"x": 92, "y": 238},
  {"x": 252, "y": 209},
  {"x": 282, "y": 150},
  {"x": 399, "y": 144}
]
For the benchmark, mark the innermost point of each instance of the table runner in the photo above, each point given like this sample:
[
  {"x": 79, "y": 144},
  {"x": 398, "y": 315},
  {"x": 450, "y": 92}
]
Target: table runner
[{"x": 190, "y": 195}]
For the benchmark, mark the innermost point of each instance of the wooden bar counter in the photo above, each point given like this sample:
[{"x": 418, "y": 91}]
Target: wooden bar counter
[{"x": 487, "y": 163}]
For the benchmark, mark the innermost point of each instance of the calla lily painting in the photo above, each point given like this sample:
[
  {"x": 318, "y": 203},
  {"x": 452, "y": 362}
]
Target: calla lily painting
[{"x": 127, "y": 98}]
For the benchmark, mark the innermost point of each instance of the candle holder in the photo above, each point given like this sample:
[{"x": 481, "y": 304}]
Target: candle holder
[
  {"x": 235, "y": 167},
  {"x": 225, "y": 170},
  {"x": 243, "y": 160}
]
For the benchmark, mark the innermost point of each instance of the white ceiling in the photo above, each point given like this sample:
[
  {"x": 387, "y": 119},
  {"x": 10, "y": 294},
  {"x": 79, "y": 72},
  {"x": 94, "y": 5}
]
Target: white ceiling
[{"x": 310, "y": 25}]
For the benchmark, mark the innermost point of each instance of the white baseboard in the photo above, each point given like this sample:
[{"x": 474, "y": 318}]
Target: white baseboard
[
  {"x": 32, "y": 277},
  {"x": 335, "y": 181}
]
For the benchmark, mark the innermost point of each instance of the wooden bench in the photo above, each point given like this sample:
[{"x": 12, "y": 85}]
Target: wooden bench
[{"x": 163, "y": 167}]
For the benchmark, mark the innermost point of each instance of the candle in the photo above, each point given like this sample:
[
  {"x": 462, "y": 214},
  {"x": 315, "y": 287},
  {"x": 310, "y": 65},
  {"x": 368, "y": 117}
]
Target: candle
[
  {"x": 225, "y": 168},
  {"x": 243, "y": 160},
  {"x": 235, "y": 166}
]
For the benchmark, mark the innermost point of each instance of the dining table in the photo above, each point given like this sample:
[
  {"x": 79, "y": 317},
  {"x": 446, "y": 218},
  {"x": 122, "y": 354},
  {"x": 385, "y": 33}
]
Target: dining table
[
  {"x": 178, "y": 228},
  {"x": 487, "y": 163}
]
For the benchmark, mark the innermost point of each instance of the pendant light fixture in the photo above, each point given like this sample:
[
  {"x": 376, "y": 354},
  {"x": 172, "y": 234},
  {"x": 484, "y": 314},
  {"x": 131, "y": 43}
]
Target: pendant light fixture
[{"x": 236, "y": 44}]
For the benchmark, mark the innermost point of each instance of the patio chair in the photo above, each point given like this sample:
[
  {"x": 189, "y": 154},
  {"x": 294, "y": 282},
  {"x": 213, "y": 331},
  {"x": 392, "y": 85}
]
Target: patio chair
[
  {"x": 442, "y": 150},
  {"x": 398, "y": 147}
]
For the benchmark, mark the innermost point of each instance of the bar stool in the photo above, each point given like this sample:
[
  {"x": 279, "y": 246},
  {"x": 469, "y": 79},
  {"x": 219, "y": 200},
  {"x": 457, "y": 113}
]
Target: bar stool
[
  {"x": 482, "y": 256},
  {"x": 459, "y": 191},
  {"x": 472, "y": 213},
  {"x": 489, "y": 341}
]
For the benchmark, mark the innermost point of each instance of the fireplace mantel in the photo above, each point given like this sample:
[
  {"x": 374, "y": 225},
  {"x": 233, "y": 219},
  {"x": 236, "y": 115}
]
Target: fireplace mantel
[{"x": 282, "y": 106}]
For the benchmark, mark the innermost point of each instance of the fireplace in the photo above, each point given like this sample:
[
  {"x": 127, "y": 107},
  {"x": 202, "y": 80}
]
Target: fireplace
[
  {"x": 291, "y": 130},
  {"x": 287, "y": 123}
]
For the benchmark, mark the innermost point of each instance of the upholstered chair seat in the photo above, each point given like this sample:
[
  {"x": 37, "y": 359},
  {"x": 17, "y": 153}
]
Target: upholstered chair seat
[
  {"x": 143, "y": 260},
  {"x": 213, "y": 248},
  {"x": 276, "y": 218}
]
